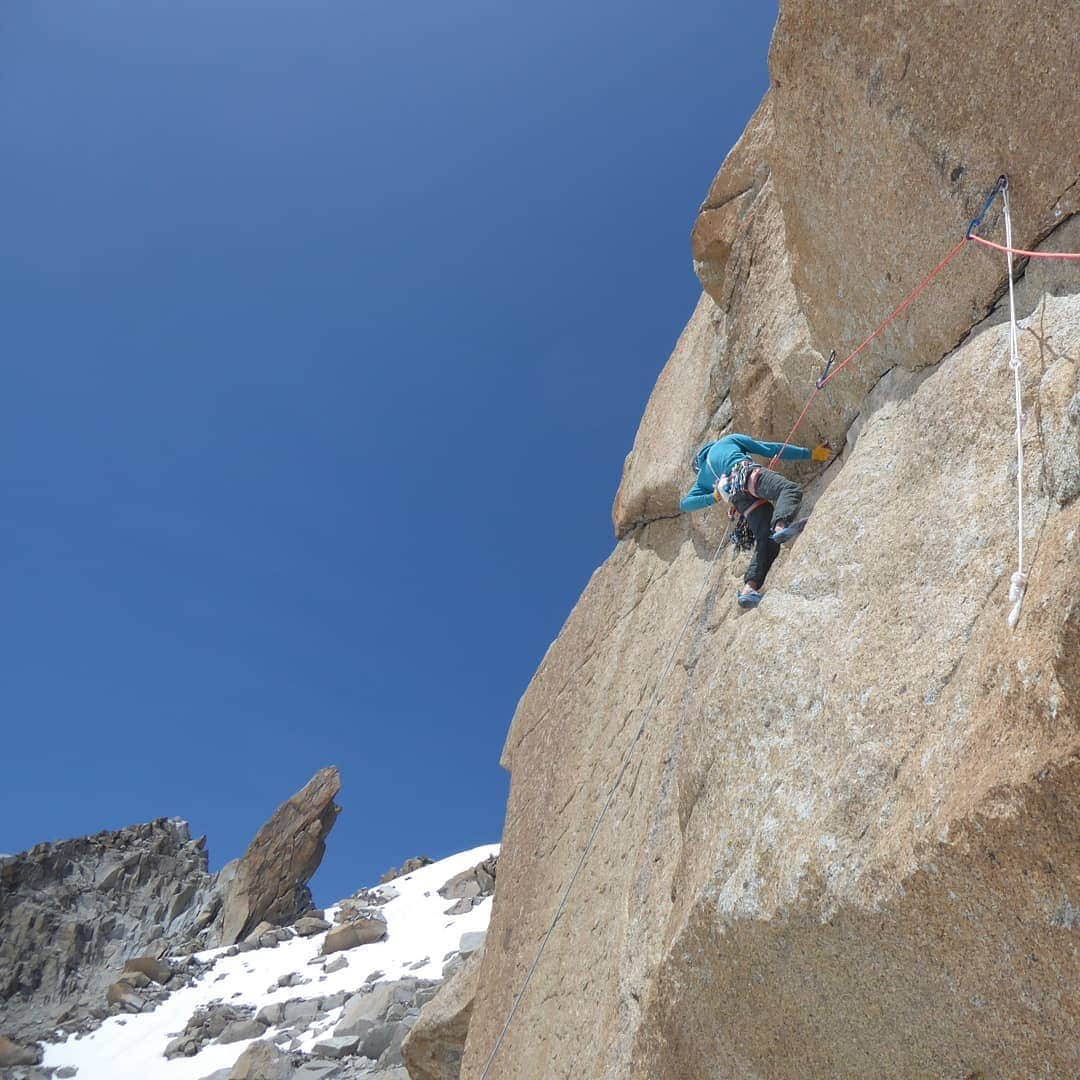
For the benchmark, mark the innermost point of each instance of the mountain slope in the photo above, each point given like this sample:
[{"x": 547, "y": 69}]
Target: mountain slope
[{"x": 420, "y": 937}]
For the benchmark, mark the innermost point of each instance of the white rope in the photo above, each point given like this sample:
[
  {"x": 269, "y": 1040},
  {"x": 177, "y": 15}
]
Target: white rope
[
  {"x": 611, "y": 795},
  {"x": 1018, "y": 582}
]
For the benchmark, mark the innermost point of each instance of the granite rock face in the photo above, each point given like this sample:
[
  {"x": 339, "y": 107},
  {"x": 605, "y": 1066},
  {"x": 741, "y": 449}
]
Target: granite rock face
[
  {"x": 875, "y": 144},
  {"x": 73, "y": 912},
  {"x": 270, "y": 881},
  {"x": 888, "y": 134},
  {"x": 846, "y": 843}
]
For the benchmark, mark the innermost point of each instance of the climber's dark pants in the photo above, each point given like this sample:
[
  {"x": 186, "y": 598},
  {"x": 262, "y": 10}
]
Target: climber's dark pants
[{"x": 783, "y": 497}]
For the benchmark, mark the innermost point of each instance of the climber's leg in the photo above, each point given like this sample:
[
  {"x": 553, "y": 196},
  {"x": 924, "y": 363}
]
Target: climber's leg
[
  {"x": 784, "y": 494},
  {"x": 765, "y": 548}
]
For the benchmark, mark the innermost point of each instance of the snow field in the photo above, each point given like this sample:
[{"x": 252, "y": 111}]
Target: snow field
[{"x": 132, "y": 1046}]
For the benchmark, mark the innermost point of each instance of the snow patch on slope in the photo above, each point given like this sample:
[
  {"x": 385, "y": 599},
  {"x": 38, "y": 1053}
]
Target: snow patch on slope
[{"x": 419, "y": 937}]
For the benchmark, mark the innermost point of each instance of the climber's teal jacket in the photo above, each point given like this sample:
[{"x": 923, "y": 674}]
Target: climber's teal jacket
[{"x": 715, "y": 459}]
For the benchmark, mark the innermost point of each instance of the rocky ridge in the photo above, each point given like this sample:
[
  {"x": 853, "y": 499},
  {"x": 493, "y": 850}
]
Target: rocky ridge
[
  {"x": 77, "y": 914},
  {"x": 846, "y": 844},
  {"x": 72, "y": 913},
  {"x": 278, "y": 1002}
]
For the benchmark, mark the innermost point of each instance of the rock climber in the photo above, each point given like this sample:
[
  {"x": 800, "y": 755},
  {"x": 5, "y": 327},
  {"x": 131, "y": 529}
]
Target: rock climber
[{"x": 767, "y": 501}]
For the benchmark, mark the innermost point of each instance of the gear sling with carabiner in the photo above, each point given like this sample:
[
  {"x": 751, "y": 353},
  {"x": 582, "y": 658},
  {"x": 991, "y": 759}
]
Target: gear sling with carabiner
[{"x": 742, "y": 480}]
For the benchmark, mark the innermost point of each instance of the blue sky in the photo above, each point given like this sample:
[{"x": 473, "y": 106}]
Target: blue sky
[{"x": 327, "y": 327}]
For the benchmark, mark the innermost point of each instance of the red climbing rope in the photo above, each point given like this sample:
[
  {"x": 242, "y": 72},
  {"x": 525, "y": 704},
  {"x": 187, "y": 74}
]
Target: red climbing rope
[
  {"x": 909, "y": 298},
  {"x": 851, "y": 356},
  {"x": 1027, "y": 254}
]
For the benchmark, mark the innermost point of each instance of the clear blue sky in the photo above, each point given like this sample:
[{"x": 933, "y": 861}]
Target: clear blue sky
[{"x": 326, "y": 327}]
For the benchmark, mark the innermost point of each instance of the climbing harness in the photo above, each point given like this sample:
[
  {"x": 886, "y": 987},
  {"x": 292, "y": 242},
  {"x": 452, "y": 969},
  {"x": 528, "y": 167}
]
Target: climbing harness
[
  {"x": 743, "y": 482},
  {"x": 740, "y": 481}
]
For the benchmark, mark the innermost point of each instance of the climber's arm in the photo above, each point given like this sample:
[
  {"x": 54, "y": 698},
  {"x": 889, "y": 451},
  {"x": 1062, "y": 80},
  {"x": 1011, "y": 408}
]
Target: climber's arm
[
  {"x": 771, "y": 449},
  {"x": 697, "y": 498}
]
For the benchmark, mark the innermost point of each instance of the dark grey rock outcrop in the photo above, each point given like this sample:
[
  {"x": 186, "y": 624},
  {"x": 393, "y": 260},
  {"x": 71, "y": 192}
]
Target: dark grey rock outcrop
[
  {"x": 84, "y": 923},
  {"x": 73, "y": 912}
]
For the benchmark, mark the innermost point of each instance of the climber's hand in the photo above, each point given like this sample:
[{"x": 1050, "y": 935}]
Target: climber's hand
[{"x": 821, "y": 452}]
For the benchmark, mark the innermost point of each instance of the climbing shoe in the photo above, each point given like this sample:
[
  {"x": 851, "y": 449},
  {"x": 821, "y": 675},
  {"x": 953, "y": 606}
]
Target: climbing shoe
[
  {"x": 789, "y": 532},
  {"x": 748, "y": 599}
]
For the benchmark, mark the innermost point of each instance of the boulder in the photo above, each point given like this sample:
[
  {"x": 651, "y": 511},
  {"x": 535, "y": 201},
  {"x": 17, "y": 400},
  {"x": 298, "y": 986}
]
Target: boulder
[
  {"x": 11, "y": 1053},
  {"x": 317, "y": 1069},
  {"x": 308, "y": 926},
  {"x": 358, "y": 1027},
  {"x": 301, "y": 1013},
  {"x": 355, "y": 908},
  {"x": 334, "y": 1001},
  {"x": 351, "y": 935},
  {"x": 238, "y": 1030},
  {"x": 151, "y": 967},
  {"x": 270, "y": 880},
  {"x": 230, "y": 1023},
  {"x": 472, "y": 942},
  {"x": 383, "y": 1041},
  {"x": 257, "y": 932},
  {"x": 407, "y": 867},
  {"x": 273, "y": 1014},
  {"x": 336, "y": 964},
  {"x": 262, "y": 1061},
  {"x": 336, "y": 1047},
  {"x": 372, "y": 1006},
  {"x": 185, "y": 1045},
  {"x": 215, "y": 1019},
  {"x": 434, "y": 1047},
  {"x": 123, "y": 994},
  {"x": 475, "y": 882}
]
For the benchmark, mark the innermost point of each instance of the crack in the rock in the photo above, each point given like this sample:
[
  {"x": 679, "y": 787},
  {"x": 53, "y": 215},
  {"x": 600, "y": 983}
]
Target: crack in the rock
[
  {"x": 640, "y": 523},
  {"x": 706, "y": 206}
]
